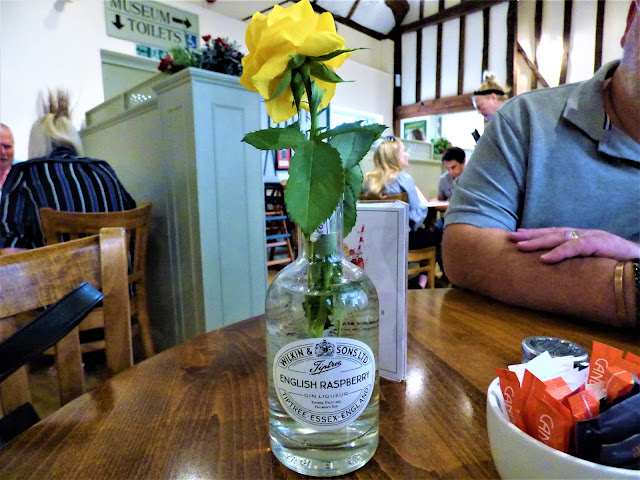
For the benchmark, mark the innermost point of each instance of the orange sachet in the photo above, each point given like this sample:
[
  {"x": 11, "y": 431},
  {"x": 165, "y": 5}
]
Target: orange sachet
[
  {"x": 512, "y": 395},
  {"x": 558, "y": 389},
  {"x": 630, "y": 357},
  {"x": 548, "y": 421},
  {"x": 545, "y": 418},
  {"x": 628, "y": 366},
  {"x": 584, "y": 405},
  {"x": 618, "y": 382},
  {"x": 601, "y": 357}
]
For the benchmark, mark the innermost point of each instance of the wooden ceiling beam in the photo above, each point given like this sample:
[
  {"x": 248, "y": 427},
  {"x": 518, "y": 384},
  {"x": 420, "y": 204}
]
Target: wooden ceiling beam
[
  {"x": 534, "y": 69},
  {"x": 351, "y": 24},
  {"x": 464, "y": 8},
  {"x": 459, "y": 103}
]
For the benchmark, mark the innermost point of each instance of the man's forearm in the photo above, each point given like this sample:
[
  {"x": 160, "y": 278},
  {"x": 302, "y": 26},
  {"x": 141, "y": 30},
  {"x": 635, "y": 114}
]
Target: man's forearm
[{"x": 486, "y": 261}]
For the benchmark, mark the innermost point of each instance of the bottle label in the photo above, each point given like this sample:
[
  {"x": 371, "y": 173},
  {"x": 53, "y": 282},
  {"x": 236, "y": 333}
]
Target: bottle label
[{"x": 324, "y": 383}]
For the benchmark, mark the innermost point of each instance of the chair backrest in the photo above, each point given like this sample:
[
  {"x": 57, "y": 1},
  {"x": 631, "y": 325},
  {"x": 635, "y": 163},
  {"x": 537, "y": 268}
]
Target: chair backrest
[
  {"x": 62, "y": 226},
  {"x": 400, "y": 196},
  {"x": 40, "y": 277}
]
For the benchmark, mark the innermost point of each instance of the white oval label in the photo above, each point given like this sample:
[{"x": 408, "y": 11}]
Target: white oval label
[{"x": 324, "y": 383}]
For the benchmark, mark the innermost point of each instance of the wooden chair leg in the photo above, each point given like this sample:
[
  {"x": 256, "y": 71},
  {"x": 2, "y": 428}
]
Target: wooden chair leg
[
  {"x": 14, "y": 391},
  {"x": 69, "y": 366},
  {"x": 143, "y": 320}
]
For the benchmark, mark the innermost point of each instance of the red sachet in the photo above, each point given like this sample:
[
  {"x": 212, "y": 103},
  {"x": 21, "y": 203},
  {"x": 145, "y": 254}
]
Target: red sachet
[
  {"x": 618, "y": 382},
  {"x": 601, "y": 357},
  {"x": 511, "y": 392},
  {"x": 584, "y": 406}
]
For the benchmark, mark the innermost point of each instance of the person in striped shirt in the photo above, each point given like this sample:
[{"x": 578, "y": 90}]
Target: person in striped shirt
[{"x": 57, "y": 176}]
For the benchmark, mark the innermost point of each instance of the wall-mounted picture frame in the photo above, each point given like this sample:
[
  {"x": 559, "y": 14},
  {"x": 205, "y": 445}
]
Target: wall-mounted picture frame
[
  {"x": 414, "y": 129},
  {"x": 282, "y": 159}
]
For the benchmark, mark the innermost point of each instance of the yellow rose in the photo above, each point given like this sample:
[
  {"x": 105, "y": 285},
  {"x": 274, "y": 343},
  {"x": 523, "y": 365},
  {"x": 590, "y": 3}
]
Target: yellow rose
[{"x": 273, "y": 39}]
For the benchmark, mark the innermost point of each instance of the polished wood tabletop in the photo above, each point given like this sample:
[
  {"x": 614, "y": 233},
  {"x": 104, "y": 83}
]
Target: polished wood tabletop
[{"x": 199, "y": 410}]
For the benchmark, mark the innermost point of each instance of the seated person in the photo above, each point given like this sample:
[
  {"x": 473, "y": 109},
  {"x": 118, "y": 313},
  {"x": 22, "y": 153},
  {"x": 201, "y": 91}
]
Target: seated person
[
  {"x": 389, "y": 178},
  {"x": 56, "y": 177},
  {"x": 454, "y": 160},
  {"x": 546, "y": 215},
  {"x": 6, "y": 153}
]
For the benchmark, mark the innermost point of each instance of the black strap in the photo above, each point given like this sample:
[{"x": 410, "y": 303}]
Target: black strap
[{"x": 47, "y": 329}]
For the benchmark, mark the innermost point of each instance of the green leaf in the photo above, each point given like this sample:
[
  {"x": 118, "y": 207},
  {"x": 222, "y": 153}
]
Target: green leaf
[
  {"x": 276, "y": 138},
  {"x": 335, "y": 53},
  {"x": 296, "y": 61},
  {"x": 315, "y": 186},
  {"x": 282, "y": 86},
  {"x": 353, "y": 179},
  {"x": 353, "y": 141},
  {"x": 322, "y": 72}
]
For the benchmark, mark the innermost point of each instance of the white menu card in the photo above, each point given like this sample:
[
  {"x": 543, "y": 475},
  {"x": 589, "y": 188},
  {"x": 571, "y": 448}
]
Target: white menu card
[{"x": 378, "y": 243}]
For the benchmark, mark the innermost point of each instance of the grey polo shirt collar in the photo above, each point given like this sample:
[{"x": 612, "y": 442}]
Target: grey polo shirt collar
[{"x": 585, "y": 109}]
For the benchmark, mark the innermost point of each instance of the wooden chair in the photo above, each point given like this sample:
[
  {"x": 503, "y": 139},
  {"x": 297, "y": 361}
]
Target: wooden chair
[
  {"x": 426, "y": 259},
  {"x": 39, "y": 277},
  {"x": 278, "y": 226},
  {"x": 63, "y": 226}
]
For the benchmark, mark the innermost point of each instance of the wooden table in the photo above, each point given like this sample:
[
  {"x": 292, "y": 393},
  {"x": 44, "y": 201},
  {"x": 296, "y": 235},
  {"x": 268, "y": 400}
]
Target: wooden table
[{"x": 199, "y": 410}]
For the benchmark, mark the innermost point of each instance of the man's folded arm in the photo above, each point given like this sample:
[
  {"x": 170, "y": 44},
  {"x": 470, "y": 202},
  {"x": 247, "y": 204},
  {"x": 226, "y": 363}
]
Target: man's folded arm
[{"x": 487, "y": 261}]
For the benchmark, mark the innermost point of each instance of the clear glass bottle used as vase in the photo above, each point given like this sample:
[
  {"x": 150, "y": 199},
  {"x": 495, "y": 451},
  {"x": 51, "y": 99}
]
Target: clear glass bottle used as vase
[{"x": 322, "y": 349}]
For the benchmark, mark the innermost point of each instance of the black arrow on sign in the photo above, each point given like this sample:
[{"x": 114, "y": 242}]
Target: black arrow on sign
[
  {"x": 117, "y": 22},
  {"x": 185, "y": 22}
]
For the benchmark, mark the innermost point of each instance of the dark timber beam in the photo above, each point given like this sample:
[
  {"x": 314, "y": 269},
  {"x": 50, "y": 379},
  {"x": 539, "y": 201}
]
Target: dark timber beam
[
  {"x": 566, "y": 41},
  {"x": 351, "y": 24},
  {"x": 512, "y": 36},
  {"x": 461, "y": 45},
  {"x": 461, "y": 9},
  {"x": 536, "y": 45},
  {"x": 439, "y": 54},
  {"x": 597, "y": 61},
  {"x": 534, "y": 70},
  {"x": 459, "y": 103},
  {"x": 486, "y": 30}
]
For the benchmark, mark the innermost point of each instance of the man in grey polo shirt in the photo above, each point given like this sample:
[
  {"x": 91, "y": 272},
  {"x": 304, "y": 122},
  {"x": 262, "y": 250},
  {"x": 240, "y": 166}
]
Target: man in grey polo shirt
[{"x": 567, "y": 158}]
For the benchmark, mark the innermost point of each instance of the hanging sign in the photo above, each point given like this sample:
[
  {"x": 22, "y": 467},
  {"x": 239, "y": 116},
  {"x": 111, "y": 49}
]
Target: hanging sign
[{"x": 151, "y": 23}]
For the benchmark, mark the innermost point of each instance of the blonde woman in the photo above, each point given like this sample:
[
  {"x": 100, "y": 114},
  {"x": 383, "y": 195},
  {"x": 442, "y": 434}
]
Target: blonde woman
[
  {"x": 56, "y": 176},
  {"x": 389, "y": 178},
  {"x": 489, "y": 97}
]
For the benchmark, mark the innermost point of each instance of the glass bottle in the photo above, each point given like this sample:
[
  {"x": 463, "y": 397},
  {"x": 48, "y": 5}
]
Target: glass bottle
[{"x": 322, "y": 358}]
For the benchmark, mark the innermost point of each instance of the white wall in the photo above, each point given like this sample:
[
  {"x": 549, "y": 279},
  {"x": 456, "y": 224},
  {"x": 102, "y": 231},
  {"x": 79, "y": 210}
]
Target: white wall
[{"x": 56, "y": 44}]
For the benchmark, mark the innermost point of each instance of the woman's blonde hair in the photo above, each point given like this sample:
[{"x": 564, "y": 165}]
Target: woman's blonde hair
[
  {"x": 386, "y": 167},
  {"x": 54, "y": 128},
  {"x": 489, "y": 82}
]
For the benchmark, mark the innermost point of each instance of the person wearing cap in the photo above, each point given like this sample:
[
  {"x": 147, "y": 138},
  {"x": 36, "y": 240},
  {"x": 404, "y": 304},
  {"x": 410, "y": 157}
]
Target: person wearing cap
[
  {"x": 547, "y": 213},
  {"x": 489, "y": 97}
]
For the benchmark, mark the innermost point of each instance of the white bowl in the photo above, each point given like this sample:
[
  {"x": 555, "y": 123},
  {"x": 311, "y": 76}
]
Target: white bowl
[{"x": 517, "y": 455}]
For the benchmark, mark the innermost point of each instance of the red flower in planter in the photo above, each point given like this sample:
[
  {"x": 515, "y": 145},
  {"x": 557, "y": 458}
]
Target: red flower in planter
[
  {"x": 206, "y": 38},
  {"x": 165, "y": 63}
]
